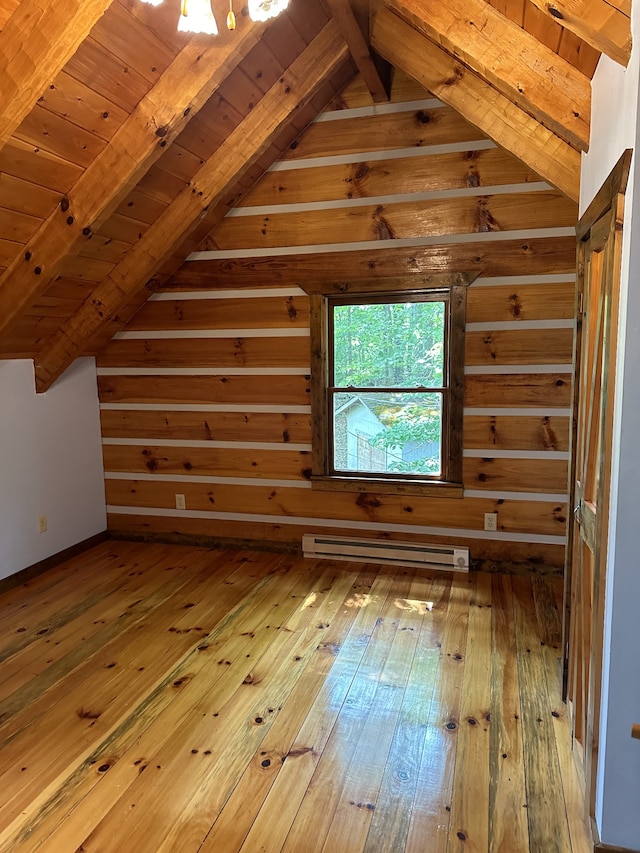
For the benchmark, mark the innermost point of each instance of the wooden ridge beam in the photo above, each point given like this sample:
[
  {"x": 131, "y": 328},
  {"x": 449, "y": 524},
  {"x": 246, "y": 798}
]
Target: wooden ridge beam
[
  {"x": 528, "y": 73},
  {"x": 297, "y": 85},
  {"x": 180, "y": 92},
  {"x": 602, "y": 25},
  {"x": 358, "y": 45},
  {"x": 36, "y": 42},
  {"x": 478, "y": 102}
]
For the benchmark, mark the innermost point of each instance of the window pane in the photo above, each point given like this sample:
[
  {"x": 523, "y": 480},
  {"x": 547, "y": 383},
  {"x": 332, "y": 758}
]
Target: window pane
[
  {"x": 388, "y": 433},
  {"x": 389, "y": 345}
]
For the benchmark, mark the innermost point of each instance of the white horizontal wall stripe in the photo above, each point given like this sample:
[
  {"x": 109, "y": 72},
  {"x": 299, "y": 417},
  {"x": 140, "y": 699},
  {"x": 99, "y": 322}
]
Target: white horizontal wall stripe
[
  {"x": 379, "y": 110},
  {"x": 516, "y": 280},
  {"x": 457, "y": 532},
  {"x": 518, "y": 325},
  {"x": 372, "y": 201},
  {"x": 497, "y": 369},
  {"x": 369, "y": 245},
  {"x": 531, "y": 411},
  {"x": 512, "y": 496},
  {"x": 201, "y": 478},
  {"x": 242, "y": 293},
  {"x": 247, "y": 408},
  {"x": 229, "y": 445},
  {"x": 515, "y": 454},
  {"x": 210, "y": 334},
  {"x": 204, "y": 371},
  {"x": 370, "y": 156}
]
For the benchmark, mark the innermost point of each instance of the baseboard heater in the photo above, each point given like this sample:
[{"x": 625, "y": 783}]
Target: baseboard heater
[{"x": 444, "y": 557}]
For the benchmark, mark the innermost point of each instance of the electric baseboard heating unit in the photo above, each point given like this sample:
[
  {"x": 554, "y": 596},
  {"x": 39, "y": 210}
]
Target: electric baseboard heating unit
[{"x": 443, "y": 557}]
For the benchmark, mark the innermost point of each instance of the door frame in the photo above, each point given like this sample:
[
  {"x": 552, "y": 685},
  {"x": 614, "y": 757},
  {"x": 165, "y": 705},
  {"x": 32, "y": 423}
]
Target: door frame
[{"x": 610, "y": 198}]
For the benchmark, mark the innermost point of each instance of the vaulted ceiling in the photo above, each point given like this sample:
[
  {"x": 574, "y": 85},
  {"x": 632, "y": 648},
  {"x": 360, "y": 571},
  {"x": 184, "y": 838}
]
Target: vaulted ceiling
[{"x": 124, "y": 143}]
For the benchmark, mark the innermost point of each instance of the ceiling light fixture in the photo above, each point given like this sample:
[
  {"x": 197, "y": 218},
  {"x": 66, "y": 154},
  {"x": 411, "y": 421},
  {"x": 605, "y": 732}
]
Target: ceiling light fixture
[
  {"x": 231, "y": 18},
  {"x": 262, "y": 10},
  {"x": 196, "y": 16}
]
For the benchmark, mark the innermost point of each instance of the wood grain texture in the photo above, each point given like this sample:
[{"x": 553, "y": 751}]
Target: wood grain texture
[
  {"x": 532, "y": 76},
  {"x": 277, "y": 703},
  {"x": 536, "y": 255},
  {"x": 207, "y": 352},
  {"x": 290, "y": 93},
  {"x": 546, "y": 517},
  {"x": 604, "y": 26},
  {"x": 218, "y": 426},
  {"x": 367, "y": 178},
  {"x": 526, "y": 346},
  {"x": 554, "y": 301},
  {"x": 280, "y": 536},
  {"x": 35, "y": 43},
  {"x": 112, "y": 175},
  {"x": 516, "y": 432},
  {"x": 481, "y": 104},
  {"x": 281, "y": 390},
  {"x": 267, "y": 312},
  {"x": 399, "y": 220},
  {"x": 414, "y": 128}
]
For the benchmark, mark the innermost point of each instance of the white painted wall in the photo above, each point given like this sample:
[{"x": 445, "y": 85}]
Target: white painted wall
[
  {"x": 615, "y": 127},
  {"x": 50, "y": 463}
]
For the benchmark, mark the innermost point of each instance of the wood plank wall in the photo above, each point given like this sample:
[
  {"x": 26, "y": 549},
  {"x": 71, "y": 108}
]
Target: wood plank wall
[{"x": 206, "y": 393}]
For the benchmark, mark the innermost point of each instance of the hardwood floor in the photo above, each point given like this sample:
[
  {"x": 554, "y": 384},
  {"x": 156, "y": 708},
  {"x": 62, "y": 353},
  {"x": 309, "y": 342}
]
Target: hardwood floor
[{"x": 164, "y": 698}]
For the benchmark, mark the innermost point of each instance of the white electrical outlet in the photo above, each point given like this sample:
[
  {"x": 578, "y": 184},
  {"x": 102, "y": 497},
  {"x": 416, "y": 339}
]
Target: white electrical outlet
[
  {"x": 42, "y": 524},
  {"x": 491, "y": 521},
  {"x": 180, "y": 502}
]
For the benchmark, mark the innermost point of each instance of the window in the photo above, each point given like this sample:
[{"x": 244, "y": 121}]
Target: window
[{"x": 387, "y": 387}]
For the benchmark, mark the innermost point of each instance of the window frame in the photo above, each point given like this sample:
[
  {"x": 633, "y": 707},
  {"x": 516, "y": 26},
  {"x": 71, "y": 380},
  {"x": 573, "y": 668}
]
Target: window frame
[{"x": 448, "y": 288}]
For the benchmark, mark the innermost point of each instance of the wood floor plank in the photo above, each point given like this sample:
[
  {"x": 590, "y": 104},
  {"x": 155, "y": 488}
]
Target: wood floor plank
[
  {"x": 548, "y": 601},
  {"x": 282, "y": 804},
  {"x": 163, "y": 798},
  {"x": 332, "y": 758},
  {"x": 548, "y": 829},
  {"x": 183, "y": 700},
  {"x": 60, "y": 641},
  {"x": 73, "y": 721},
  {"x": 49, "y": 587},
  {"x": 80, "y": 662},
  {"x": 469, "y": 828},
  {"x": 431, "y": 814},
  {"x": 316, "y": 686},
  {"x": 391, "y": 819},
  {"x": 151, "y": 724},
  {"x": 54, "y": 606},
  {"x": 131, "y": 746},
  {"x": 508, "y": 828},
  {"x": 359, "y": 799}
]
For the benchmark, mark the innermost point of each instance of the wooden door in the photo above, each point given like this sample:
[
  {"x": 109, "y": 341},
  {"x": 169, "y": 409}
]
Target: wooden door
[{"x": 599, "y": 256}]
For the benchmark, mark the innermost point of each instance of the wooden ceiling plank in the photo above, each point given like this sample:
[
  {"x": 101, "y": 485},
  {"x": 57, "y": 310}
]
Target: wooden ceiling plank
[
  {"x": 478, "y": 102},
  {"x": 35, "y": 43},
  {"x": 602, "y": 24},
  {"x": 359, "y": 48},
  {"x": 237, "y": 154},
  {"x": 529, "y": 74},
  {"x": 160, "y": 116}
]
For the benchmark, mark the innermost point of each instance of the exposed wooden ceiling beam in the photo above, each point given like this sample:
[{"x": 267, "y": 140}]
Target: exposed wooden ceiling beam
[
  {"x": 480, "y": 104},
  {"x": 598, "y": 22},
  {"x": 180, "y": 92},
  {"x": 35, "y": 43},
  {"x": 236, "y": 155},
  {"x": 531, "y": 75},
  {"x": 359, "y": 47}
]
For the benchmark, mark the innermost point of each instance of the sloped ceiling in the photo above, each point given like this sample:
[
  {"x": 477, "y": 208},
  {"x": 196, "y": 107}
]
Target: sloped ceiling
[{"x": 123, "y": 143}]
